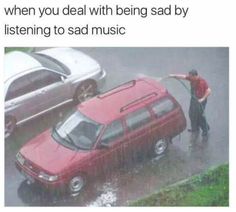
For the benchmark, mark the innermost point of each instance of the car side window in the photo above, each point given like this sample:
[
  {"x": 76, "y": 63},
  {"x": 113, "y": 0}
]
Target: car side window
[
  {"x": 112, "y": 132},
  {"x": 31, "y": 82},
  {"x": 44, "y": 78},
  {"x": 18, "y": 88},
  {"x": 138, "y": 118},
  {"x": 162, "y": 107}
]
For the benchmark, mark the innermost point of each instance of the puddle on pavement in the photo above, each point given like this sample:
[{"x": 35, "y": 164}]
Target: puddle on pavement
[{"x": 107, "y": 198}]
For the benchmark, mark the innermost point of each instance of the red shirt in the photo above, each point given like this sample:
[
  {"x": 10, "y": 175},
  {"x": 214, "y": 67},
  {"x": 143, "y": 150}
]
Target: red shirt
[{"x": 199, "y": 86}]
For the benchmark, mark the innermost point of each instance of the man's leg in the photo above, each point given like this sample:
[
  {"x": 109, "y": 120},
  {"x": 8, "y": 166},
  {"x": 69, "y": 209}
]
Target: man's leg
[
  {"x": 194, "y": 115},
  {"x": 202, "y": 119}
]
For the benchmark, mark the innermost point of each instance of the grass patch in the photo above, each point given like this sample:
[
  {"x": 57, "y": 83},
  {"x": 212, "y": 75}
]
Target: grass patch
[
  {"x": 23, "y": 49},
  {"x": 208, "y": 189}
]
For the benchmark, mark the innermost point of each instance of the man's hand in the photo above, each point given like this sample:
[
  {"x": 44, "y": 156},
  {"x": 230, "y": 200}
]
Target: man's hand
[
  {"x": 178, "y": 76},
  {"x": 207, "y": 93},
  {"x": 201, "y": 100}
]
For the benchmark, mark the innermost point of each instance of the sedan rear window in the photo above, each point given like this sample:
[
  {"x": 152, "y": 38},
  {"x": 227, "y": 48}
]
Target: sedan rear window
[{"x": 51, "y": 63}]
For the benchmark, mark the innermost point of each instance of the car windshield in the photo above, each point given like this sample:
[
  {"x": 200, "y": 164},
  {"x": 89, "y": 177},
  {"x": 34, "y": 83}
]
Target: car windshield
[
  {"x": 50, "y": 63},
  {"x": 79, "y": 131}
]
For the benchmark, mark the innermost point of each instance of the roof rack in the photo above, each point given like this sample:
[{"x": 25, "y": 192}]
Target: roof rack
[
  {"x": 116, "y": 90},
  {"x": 137, "y": 101}
]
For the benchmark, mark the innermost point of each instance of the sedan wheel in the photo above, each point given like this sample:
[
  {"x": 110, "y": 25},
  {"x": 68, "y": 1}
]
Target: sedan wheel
[
  {"x": 76, "y": 184},
  {"x": 85, "y": 91},
  {"x": 10, "y": 124},
  {"x": 161, "y": 146}
]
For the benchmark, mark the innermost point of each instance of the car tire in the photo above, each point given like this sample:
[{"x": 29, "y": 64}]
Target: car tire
[
  {"x": 161, "y": 146},
  {"x": 10, "y": 124},
  {"x": 76, "y": 184},
  {"x": 85, "y": 91}
]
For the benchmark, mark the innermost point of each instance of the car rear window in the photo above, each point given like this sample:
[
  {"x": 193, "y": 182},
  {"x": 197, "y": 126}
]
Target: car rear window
[
  {"x": 137, "y": 119},
  {"x": 51, "y": 63},
  {"x": 162, "y": 107}
]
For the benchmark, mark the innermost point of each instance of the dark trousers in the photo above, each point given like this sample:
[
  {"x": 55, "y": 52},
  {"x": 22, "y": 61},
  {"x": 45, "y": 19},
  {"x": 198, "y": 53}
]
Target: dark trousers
[{"x": 197, "y": 115}]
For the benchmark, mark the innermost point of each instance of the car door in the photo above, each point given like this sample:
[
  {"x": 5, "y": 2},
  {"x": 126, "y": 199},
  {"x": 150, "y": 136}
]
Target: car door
[
  {"x": 109, "y": 151},
  {"x": 21, "y": 101},
  {"x": 138, "y": 126},
  {"x": 51, "y": 90},
  {"x": 166, "y": 120}
]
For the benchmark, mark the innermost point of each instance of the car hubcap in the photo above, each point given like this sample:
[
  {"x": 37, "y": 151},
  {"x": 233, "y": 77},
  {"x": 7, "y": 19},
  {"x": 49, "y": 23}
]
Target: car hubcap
[
  {"x": 9, "y": 127},
  {"x": 76, "y": 184},
  {"x": 85, "y": 92},
  {"x": 160, "y": 146}
]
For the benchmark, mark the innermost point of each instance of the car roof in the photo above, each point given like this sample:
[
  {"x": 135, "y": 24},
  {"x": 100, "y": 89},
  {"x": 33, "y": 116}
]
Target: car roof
[
  {"x": 22, "y": 60},
  {"x": 122, "y": 100}
]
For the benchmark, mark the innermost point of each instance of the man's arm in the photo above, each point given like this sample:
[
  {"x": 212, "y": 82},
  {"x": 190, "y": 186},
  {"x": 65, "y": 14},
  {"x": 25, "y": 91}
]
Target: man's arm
[
  {"x": 178, "y": 76},
  {"x": 207, "y": 93}
]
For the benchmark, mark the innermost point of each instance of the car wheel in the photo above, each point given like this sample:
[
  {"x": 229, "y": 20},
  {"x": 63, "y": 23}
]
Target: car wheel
[
  {"x": 161, "y": 146},
  {"x": 85, "y": 91},
  {"x": 10, "y": 124},
  {"x": 76, "y": 184}
]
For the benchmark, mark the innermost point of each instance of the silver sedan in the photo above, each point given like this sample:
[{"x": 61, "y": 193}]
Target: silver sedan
[{"x": 39, "y": 82}]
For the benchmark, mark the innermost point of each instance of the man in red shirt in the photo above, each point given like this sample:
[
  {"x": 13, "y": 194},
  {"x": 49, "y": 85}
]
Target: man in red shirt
[{"x": 199, "y": 93}]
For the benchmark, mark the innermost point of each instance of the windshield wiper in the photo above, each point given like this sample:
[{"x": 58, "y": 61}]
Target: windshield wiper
[
  {"x": 58, "y": 138},
  {"x": 54, "y": 129},
  {"x": 70, "y": 139}
]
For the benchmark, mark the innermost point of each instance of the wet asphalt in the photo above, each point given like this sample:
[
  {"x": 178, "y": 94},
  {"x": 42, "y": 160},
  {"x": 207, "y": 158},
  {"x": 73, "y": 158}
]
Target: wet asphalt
[{"x": 187, "y": 155}]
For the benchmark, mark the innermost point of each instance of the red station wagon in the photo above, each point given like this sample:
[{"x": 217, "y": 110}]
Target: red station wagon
[{"x": 137, "y": 117}]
